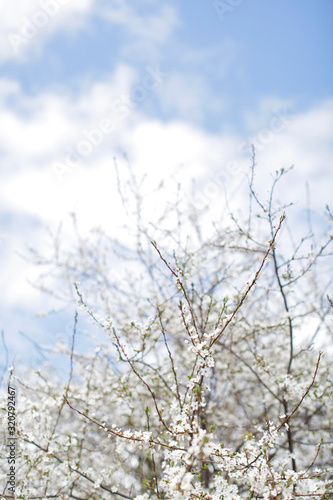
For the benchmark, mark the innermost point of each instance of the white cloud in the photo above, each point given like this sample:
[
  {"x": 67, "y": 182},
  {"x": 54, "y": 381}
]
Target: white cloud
[
  {"x": 153, "y": 27},
  {"x": 38, "y": 131},
  {"x": 26, "y": 24},
  {"x": 146, "y": 25},
  {"x": 190, "y": 97},
  {"x": 190, "y": 94},
  {"x": 307, "y": 143},
  {"x": 39, "y": 128}
]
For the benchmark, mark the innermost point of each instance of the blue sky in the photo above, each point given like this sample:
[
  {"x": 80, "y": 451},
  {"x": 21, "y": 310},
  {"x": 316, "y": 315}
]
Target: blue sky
[
  {"x": 258, "y": 48},
  {"x": 187, "y": 84}
]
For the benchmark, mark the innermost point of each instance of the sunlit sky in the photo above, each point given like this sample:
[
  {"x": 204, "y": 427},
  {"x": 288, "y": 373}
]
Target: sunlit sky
[{"x": 182, "y": 88}]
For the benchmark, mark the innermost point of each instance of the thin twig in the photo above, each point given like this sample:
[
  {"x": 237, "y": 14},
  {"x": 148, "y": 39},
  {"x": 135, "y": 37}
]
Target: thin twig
[{"x": 271, "y": 246}]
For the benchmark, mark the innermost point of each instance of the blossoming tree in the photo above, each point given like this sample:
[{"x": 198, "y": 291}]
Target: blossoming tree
[{"x": 202, "y": 382}]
